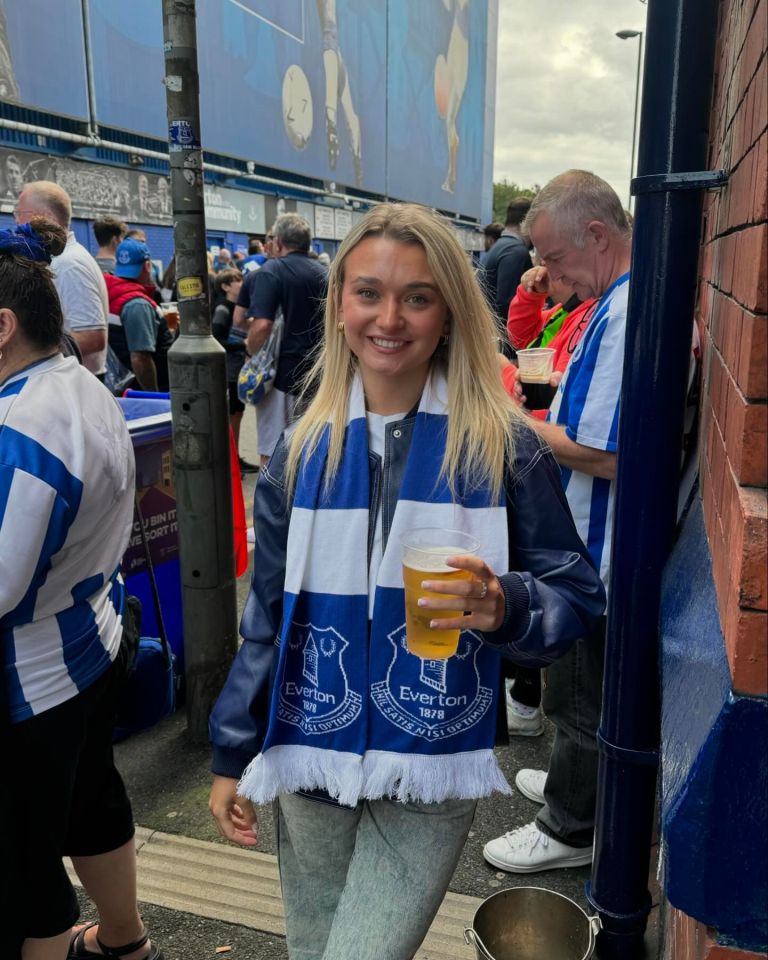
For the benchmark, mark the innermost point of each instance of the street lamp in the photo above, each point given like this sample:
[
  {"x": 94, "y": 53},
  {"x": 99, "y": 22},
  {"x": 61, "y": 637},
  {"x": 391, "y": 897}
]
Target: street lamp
[{"x": 629, "y": 35}]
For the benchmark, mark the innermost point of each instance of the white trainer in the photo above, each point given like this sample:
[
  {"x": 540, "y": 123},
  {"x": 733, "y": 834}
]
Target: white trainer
[
  {"x": 528, "y": 850},
  {"x": 520, "y": 725},
  {"x": 531, "y": 784}
]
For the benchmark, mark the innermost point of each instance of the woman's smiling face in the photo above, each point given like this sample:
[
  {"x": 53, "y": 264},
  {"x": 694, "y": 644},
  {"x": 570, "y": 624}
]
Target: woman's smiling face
[{"x": 394, "y": 315}]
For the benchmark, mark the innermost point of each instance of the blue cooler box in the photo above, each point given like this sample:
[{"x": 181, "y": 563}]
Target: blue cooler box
[{"x": 149, "y": 424}]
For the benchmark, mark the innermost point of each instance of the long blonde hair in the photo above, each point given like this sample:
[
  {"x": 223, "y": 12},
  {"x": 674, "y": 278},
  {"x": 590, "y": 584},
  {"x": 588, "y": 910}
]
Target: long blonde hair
[{"x": 481, "y": 415}]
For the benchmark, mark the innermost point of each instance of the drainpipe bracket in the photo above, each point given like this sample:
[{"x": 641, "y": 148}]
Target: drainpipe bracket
[
  {"x": 647, "y": 758},
  {"x": 636, "y": 916},
  {"x": 666, "y": 182}
]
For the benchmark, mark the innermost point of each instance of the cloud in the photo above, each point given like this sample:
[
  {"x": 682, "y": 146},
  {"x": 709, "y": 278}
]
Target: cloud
[{"x": 565, "y": 89}]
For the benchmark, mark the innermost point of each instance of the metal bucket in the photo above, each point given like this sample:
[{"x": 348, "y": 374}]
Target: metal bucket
[{"x": 530, "y": 923}]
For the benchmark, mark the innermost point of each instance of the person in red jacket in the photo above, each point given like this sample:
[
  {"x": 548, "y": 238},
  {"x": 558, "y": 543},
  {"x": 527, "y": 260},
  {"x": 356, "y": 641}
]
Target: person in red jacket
[
  {"x": 530, "y": 324},
  {"x": 137, "y": 330}
]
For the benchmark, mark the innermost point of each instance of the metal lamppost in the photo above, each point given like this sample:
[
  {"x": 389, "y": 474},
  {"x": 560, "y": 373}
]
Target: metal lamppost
[
  {"x": 196, "y": 365},
  {"x": 629, "y": 35}
]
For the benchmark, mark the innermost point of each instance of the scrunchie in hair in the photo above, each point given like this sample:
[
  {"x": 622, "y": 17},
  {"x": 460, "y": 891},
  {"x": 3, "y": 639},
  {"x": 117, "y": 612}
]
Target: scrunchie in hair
[{"x": 22, "y": 241}]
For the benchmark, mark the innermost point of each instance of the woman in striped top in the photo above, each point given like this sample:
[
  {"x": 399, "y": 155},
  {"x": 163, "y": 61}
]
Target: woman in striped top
[{"x": 66, "y": 510}]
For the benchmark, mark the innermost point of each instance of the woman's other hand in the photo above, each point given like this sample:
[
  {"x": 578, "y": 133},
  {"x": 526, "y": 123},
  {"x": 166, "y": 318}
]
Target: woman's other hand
[
  {"x": 235, "y": 816},
  {"x": 481, "y": 597}
]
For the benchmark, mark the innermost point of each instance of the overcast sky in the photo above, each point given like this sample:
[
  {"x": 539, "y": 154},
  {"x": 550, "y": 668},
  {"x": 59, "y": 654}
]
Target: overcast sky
[{"x": 565, "y": 89}]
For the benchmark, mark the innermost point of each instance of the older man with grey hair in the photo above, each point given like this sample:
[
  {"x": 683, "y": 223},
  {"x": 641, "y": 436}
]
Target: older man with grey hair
[
  {"x": 581, "y": 234},
  {"x": 294, "y": 283},
  {"x": 78, "y": 278}
]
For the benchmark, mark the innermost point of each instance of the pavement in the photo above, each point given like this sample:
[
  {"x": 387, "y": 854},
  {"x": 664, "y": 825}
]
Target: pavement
[{"x": 204, "y": 899}]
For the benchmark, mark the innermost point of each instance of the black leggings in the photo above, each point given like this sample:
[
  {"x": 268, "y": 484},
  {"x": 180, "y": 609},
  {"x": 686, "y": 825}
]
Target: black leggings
[{"x": 64, "y": 798}]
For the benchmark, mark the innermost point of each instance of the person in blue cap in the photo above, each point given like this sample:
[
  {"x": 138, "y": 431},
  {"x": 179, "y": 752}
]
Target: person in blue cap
[{"x": 137, "y": 331}]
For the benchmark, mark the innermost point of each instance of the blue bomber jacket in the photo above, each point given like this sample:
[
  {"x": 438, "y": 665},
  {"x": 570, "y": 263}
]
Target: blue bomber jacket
[{"x": 553, "y": 594}]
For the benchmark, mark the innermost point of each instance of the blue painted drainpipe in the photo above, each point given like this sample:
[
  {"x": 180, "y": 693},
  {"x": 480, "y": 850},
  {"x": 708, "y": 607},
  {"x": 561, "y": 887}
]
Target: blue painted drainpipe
[{"x": 672, "y": 160}]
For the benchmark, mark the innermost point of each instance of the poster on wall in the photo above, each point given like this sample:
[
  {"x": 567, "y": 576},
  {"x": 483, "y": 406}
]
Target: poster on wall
[
  {"x": 34, "y": 70},
  {"x": 436, "y": 102}
]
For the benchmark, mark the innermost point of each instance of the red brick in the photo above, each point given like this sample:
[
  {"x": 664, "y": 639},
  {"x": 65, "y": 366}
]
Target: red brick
[
  {"x": 740, "y": 190},
  {"x": 760, "y": 115},
  {"x": 734, "y": 429},
  {"x": 752, "y": 468},
  {"x": 727, "y": 251},
  {"x": 752, "y": 572},
  {"x": 717, "y": 388},
  {"x": 746, "y": 645},
  {"x": 721, "y": 573},
  {"x": 718, "y": 461},
  {"x": 707, "y": 261},
  {"x": 740, "y": 133},
  {"x": 760, "y": 178},
  {"x": 752, "y": 371},
  {"x": 688, "y": 939},
  {"x": 708, "y": 505},
  {"x": 751, "y": 289}
]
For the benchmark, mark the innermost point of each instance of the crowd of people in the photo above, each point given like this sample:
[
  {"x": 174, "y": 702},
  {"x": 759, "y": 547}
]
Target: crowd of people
[{"x": 397, "y": 403}]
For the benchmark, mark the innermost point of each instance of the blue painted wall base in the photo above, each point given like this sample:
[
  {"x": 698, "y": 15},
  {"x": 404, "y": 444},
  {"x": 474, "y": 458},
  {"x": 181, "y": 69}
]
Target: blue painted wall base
[{"x": 714, "y": 774}]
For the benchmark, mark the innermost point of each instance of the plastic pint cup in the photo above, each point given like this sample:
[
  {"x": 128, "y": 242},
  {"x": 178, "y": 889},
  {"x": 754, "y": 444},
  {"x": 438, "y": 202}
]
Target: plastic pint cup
[
  {"x": 171, "y": 313},
  {"x": 535, "y": 367},
  {"x": 425, "y": 551}
]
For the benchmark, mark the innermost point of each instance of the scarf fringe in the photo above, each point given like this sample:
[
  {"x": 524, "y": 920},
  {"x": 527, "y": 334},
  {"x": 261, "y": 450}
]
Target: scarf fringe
[{"x": 350, "y": 778}]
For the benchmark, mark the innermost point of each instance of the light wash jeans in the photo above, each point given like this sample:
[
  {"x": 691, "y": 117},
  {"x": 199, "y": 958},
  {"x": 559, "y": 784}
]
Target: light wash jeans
[{"x": 365, "y": 883}]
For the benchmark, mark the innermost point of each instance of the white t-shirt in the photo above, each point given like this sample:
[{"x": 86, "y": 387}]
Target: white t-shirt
[
  {"x": 83, "y": 294},
  {"x": 377, "y": 427}
]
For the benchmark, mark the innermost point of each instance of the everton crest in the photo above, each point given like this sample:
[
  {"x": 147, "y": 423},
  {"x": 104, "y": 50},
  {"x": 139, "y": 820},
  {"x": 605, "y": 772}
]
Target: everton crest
[
  {"x": 315, "y": 694},
  {"x": 433, "y": 699}
]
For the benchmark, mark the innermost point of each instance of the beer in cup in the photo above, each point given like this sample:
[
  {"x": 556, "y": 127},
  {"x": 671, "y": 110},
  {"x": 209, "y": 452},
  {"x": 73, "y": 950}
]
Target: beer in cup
[
  {"x": 535, "y": 369},
  {"x": 171, "y": 313},
  {"x": 425, "y": 551}
]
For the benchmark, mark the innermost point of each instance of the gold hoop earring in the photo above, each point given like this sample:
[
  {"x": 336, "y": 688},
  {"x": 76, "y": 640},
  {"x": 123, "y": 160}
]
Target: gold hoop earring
[{"x": 340, "y": 326}]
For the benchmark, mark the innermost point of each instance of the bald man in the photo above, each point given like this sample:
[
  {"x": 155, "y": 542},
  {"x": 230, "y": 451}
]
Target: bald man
[{"x": 77, "y": 276}]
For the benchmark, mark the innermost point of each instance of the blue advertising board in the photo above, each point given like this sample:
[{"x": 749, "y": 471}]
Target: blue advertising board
[
  {"x": 436, "y": 89},
  {"x": 42, "y": 56}
]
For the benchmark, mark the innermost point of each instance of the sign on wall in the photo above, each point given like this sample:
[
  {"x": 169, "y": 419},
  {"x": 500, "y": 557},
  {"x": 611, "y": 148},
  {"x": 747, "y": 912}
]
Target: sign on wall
[{"x": 235, "y": 210}]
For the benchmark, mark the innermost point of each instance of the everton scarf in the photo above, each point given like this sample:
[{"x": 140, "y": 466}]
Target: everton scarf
[{"x": 353, "y": 712}]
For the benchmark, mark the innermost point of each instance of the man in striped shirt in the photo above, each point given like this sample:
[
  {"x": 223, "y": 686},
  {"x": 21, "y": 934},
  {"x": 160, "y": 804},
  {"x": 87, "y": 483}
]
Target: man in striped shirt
[{"x": 582, "y": 236}]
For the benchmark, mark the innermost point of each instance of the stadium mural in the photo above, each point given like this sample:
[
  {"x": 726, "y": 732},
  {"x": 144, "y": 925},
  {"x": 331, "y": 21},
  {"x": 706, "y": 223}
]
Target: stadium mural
[{"x": 390, "y": 97}]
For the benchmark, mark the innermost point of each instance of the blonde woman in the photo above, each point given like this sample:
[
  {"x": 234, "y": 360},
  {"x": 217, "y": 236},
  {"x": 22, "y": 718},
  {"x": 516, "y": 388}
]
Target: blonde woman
[{"x": 376, "y": 757}]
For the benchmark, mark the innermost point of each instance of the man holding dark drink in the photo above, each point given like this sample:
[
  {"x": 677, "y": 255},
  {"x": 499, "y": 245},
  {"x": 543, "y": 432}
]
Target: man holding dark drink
[{"x": 582, "y": 236}]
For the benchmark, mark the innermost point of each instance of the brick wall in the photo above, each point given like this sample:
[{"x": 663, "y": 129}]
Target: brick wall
[
  {"x": 731, "y": 313},
  {"x": 686, "y": 939}
]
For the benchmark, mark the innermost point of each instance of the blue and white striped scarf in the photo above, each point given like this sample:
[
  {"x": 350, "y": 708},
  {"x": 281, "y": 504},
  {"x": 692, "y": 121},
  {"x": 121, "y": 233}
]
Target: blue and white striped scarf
[{"x": 355, "y": 714}]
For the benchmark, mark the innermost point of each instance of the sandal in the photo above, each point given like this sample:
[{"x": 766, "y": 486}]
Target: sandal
[{"x": 78, "y": 950}]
